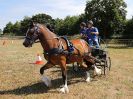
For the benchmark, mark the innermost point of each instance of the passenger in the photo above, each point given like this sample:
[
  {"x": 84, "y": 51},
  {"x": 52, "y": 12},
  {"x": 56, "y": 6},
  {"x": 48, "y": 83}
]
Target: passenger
[{"x": 83, "y": 30}]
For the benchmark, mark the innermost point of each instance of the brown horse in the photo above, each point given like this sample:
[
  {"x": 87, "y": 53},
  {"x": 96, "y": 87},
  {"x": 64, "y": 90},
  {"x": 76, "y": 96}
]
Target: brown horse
[{"x": 56, "y": 52}]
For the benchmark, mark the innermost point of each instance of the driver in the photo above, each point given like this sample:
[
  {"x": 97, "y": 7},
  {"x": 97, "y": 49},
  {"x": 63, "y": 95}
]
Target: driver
[{"x": 92, "y": 34}]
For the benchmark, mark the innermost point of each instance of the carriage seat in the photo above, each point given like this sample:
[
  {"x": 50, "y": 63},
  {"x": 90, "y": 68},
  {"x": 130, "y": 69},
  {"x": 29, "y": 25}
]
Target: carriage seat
[{"x": 98, "y": 53}]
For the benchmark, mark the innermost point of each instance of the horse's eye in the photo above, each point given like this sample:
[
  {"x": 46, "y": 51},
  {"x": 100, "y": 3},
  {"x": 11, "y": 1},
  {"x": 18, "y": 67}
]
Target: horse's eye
[{"x": 31, "y": 30}]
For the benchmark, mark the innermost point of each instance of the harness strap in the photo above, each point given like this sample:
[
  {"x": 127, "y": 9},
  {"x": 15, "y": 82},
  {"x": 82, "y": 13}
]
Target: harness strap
[
  {"x": 69, "y": 44},
  {"x": 54, "y": 51},
  {"x": 60, "y": 44},
  {"x": 60, "y": 49}
]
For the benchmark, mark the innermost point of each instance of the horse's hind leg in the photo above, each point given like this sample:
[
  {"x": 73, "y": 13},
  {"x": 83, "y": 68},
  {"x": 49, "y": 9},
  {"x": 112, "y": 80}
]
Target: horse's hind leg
[
  {"x": 45, "y": 79},
  {"x": 89, "y": 70}
]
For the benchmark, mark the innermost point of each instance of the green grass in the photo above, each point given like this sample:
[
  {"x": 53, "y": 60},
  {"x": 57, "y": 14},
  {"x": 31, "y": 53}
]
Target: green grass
[{"x": 19, "y": 78}]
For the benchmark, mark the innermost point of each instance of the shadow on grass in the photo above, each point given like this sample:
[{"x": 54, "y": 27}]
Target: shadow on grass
[
  {"x": 120, "y": 47},
  {"x": 40, "y": 87},
  {"x": 29, "y": 89}
]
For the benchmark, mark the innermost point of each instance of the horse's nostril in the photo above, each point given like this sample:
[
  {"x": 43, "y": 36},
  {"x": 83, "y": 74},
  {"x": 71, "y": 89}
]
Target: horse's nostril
[{"x": 23, "y": 43}]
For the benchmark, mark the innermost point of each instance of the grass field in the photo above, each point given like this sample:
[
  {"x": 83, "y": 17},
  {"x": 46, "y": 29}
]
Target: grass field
[{"x": 19, "y": 78}]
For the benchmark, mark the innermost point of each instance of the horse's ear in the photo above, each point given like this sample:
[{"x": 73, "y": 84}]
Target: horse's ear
[{"x": 32, "y": 24}]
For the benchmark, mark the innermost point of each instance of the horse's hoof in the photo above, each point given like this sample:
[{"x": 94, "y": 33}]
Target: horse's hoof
[
  {"x": 47, "y": 81},
  {"x": 98, "y": 71},
  {"x": 88, "y": 80},
  {"x": 64, "y": 90}
]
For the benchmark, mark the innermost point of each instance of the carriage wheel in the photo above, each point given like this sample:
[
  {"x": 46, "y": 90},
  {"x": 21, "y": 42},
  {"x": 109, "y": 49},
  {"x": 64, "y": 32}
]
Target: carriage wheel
[
  {"x": 107, "y": 65},
  {"x": 75, "y": 67}
]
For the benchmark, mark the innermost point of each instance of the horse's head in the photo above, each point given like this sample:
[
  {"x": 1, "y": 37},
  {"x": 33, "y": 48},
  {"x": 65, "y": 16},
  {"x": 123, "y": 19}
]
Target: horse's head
[{"x": 32, "y": 35}]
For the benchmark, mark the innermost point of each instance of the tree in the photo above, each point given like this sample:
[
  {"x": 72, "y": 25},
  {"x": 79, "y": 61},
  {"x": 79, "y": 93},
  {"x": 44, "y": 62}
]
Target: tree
[
  {"x": 58, "y": 26},
  {"x": 25, "y": 25},
  {"x": 8, "y": 29},
  {"x": 16, "y": 28},
  {"x": 1, "y": 32},
  {"x": 128, "y": 33},
  {"x": 109, "y": 15},
  {"x": 68, "y": 26},
  {"x": 43, "y": 19},
  {"x": 39, "y": 18}
]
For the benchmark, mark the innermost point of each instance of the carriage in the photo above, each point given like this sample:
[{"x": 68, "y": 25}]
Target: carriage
[{"x": 100, "y": 54}]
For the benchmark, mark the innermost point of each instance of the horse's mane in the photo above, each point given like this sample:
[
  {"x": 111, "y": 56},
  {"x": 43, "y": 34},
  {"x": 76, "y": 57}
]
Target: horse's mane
[{"x": 44, "y": 26}]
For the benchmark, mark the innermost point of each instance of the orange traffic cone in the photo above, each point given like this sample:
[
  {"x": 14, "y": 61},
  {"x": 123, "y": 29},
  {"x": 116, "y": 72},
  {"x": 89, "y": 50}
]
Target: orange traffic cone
[{"x": 39, "y": 60}]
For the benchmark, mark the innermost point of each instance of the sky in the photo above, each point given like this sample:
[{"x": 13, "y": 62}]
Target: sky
[{"x": 15, "y": 10}]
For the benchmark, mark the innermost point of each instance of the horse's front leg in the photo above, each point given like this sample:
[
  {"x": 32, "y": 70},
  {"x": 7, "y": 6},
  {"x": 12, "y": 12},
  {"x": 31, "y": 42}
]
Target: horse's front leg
[
  {"x": 45, "y": 79},
  {"x": 64, "y": 89}
]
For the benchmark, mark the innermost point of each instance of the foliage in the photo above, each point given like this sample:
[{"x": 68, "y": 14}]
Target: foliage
[
  {"x": 24, "y": 25},
  {"x": 16, "y": 28},
  {"x": 43, "y": 19},
  {"x": 39, "y": 18},
  {"x": 128, "y": 33},
  {"x": 108, "y": 15},
  {"x": 1, "y": 32},
  {"x": 68, "y": 26},
  {"x": 20, "y": 28},
  {"x": 8, "y": 28}
]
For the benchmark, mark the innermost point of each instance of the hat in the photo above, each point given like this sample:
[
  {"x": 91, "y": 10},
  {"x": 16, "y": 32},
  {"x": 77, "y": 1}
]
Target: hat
[{"x": 90, "y": 22}]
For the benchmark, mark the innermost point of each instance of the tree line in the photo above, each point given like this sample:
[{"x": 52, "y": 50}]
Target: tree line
[{"x": 108, "y": 15}]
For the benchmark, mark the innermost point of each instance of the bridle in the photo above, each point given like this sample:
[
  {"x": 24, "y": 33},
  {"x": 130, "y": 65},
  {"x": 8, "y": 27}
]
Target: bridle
[{"x": 36, "y": 32}]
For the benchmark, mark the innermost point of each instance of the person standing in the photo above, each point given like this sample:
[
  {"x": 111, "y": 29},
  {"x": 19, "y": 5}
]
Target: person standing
[{"x": 92, "y": 35}]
